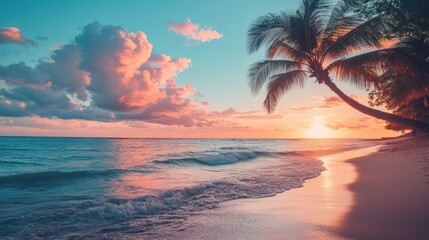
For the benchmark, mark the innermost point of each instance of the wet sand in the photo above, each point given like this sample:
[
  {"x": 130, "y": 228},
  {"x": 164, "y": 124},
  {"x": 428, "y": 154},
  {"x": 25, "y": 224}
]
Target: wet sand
[{"x": 371, "y": 193}]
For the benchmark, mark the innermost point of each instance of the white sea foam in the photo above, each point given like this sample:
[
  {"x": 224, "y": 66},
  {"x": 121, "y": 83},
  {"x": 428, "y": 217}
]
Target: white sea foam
[
  {"x": 216, "y": 159},
  {"x": 54, "y": 191},
  {"x": 182, "y": 201}
]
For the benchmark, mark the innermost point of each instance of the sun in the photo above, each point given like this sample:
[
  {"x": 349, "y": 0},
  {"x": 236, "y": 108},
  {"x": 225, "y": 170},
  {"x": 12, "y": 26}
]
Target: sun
[{"x": 318, "y": 130}]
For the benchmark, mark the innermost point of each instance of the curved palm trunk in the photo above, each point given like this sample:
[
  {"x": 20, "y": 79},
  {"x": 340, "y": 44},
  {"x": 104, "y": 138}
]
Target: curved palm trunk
[{"x": 376, "y": 113}]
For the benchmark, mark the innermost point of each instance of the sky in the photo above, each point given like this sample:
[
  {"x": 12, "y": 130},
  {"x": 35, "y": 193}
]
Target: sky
[{"x": 153, "y": 69}]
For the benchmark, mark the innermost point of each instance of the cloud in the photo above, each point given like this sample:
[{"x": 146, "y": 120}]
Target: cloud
[
  {"x": 104, "y": 74},
  {"x": 250, "y": 115},
  {"x": 331, "y": 102},
  {"x": 346, "y": 125},
  {"x": 324, "y": 103},
  {"x": 13, "y": 35},
  {"x": 193, "y": 32}
]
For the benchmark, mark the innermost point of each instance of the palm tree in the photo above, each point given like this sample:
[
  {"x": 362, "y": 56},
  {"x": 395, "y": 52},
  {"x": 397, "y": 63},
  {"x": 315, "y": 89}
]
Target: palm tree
[
  {"x": 408, "y": 21},
  {"x": 318, "y": 40}
]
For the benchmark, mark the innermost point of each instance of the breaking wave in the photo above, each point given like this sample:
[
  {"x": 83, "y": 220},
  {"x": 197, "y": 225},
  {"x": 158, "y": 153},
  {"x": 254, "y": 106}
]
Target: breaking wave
[
  {"x": 217, "y": 159},
  {"x": 54, "y": 177},
  {"x": 149, "y": 209}
]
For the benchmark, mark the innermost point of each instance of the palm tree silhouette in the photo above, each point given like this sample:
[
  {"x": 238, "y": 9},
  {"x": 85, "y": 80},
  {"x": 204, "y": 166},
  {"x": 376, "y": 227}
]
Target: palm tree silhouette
[{"x": 318, "y": 40}]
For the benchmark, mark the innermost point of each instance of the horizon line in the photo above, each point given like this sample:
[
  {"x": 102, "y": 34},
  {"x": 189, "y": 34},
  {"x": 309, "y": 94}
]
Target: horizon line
[{"x": 231, "y": 138}]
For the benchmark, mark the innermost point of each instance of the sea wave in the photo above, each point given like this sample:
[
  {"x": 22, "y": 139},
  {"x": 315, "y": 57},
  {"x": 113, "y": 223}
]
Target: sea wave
[
  {"x": 53, "y": 177},
  {"x": 233, "y": 157},
  {"x": 216, "y": 159},
  {"x": 149, "y": 209},
  {"x": 234, "y": 148},
  {"x": 19, "y": 163}
]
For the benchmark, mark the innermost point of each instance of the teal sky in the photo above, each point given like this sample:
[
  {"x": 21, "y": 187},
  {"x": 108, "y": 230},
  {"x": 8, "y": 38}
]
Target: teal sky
[
  {"x": 219, "y": 68},
  {"x": 218, "y": 72}
]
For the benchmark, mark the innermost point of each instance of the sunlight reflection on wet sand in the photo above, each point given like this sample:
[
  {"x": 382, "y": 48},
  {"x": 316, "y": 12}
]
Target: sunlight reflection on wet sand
[
  {"x": 341, "y": 178},
  {"x": 312, "y": 212}
]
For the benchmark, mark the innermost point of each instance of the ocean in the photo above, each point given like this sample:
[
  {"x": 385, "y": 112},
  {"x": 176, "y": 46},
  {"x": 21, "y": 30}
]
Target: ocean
[{"x": 107, "y": 188}]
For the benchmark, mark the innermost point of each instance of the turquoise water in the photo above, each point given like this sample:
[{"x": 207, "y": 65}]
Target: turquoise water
[{"x": 101, "y": 188}]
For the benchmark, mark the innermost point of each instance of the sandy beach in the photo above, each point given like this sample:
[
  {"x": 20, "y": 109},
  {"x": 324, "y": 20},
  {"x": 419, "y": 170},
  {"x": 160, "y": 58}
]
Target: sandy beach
[
  {"x": 214, "y": 120},
  {"x": 379, "y": 192},
  {"x": 391, "y": 194}
]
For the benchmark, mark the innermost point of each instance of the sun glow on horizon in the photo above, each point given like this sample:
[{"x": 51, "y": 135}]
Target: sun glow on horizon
[{"x": 318, "y": 129}]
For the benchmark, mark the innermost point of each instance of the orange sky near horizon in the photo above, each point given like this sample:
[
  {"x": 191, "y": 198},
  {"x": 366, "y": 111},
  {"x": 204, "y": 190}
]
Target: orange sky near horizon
[
  {"x": 322, "y": 117},
  {"x": 172, "y": 72}
]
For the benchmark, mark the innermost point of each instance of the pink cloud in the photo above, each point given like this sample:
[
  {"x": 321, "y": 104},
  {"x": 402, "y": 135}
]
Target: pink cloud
[
  {"x": 105, "y": 74},
  {"x": 325, "y": 103},
  {"x": 186, "y": 28},
  {"x": 58, "y": 124},
  {"x": 330, "y": 102},
  {"x": 346, "y": 124},
  {"x": 232, "y": 113},
  {"x": 13, "y": 35},
  {"x": 38, "y": 87},
  {"x": 193, "y": 32}
]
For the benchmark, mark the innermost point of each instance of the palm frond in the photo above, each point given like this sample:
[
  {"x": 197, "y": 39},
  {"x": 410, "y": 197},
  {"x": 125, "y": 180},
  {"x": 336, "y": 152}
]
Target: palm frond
[
  {"x": 399, "y": 90},
  {"x": 314, "y": 9},
  {"x": 297, "y": 33},
  {"x": 360, "y": 76},
  {"x": 340, "y": 22},
  {"x": 415, "y": 109},
  {"x": 416, "y": 46},
  {"x": 267, "y": 29},
  {"x": 260, "y": 72},
  {"x": 280, "y": 84},
  {"x": 366, "y": 35},
  {"x": 338, "y": 14},
  {"x": 313, "y": 14},
  {"x": 282, "y": 49},
  {"x": 379, "y": 61}
]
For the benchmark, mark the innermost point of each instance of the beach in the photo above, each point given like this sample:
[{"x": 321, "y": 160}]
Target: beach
[
  {"x": 378, "y": 192},
  {"x": 214, "y": 120},
  {"x": 98, "y": 188},
  {"x": 214, "y": 188},
  {"x": 391, "y": 194}
]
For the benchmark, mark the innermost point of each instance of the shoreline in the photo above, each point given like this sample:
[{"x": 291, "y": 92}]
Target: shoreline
[
  {"x": 314, "y": 211},
  {"x": 391, "y": 193},
  {"x": 380, "y": 192}
]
